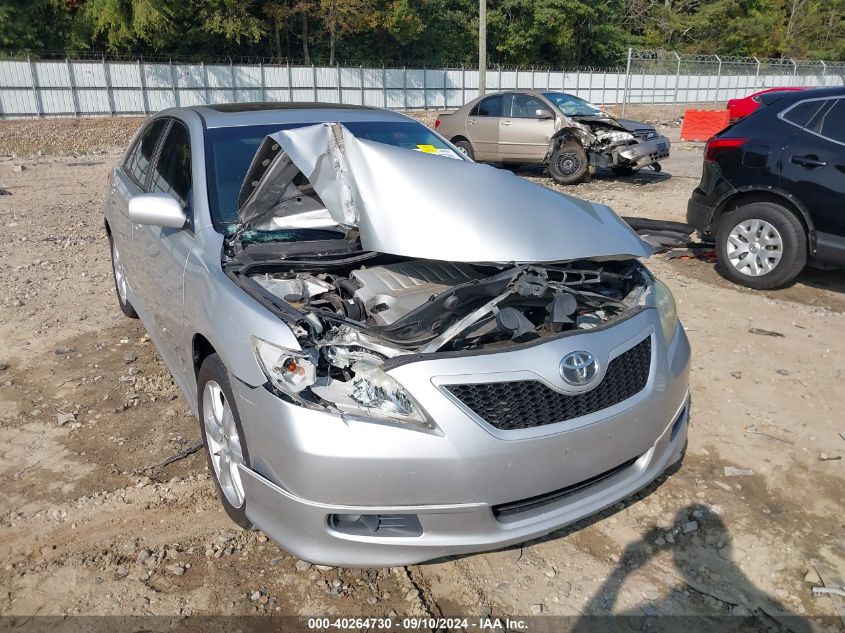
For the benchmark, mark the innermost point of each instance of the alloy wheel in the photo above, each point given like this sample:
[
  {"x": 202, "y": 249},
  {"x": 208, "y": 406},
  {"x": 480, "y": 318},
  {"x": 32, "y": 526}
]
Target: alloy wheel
[
  {"x": 119, "y": 273},
  {"x": 224, "y": 444}
]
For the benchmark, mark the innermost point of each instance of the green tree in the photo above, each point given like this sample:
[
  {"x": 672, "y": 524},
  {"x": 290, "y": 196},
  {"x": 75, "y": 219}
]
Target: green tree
[
  {"x": 558, "y": 32},
  {"x": 35, "y": 24},
  {"x": 525, "y": 32},
  {"x": 123, "y": 24}
]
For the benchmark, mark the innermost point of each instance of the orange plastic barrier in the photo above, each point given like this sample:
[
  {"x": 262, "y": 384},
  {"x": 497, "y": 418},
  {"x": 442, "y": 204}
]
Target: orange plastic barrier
[{"x": 700, "y": 125}]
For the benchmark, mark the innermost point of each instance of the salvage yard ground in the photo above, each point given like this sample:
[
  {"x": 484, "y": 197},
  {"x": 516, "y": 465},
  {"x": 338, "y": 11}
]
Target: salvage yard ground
[{"x": 747, "y": 523}]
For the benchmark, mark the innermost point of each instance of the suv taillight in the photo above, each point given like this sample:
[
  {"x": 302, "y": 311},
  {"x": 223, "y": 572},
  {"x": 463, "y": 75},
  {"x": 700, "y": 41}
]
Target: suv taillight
[
  {"x": 437, "y": 123},
  {"x": 716, "y": 146}
]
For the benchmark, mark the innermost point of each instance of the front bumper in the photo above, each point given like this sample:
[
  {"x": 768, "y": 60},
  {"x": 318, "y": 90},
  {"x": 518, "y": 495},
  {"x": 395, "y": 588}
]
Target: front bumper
[
  {"x": 302, "y": 527},
  {"x": 644, "y": 153},
  {"x": 306, "y": 466}
]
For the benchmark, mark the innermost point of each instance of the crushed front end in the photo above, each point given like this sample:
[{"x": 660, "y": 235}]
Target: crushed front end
[{"x": 441, "y": 405}]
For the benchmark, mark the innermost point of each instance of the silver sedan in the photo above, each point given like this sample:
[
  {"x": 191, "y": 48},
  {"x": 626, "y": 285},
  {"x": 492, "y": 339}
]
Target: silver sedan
[{"x": 395, "y": 354}]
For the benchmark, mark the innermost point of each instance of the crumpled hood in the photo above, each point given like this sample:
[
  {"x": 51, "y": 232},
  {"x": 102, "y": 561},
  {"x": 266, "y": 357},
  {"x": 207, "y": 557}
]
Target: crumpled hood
[
  {"x": 421, "y": 205},
  {"x": 630, "y": 125}
]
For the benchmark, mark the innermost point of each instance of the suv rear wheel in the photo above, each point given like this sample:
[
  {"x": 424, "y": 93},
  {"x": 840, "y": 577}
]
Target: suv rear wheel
[{"x": 761, "y": 245}]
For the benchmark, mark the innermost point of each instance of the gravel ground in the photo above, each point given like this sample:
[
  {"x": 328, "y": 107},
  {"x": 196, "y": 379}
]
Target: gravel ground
[{"x": 89, "y": 524}]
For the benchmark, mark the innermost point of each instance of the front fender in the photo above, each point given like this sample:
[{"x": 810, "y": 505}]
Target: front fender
[
  {"x": 226, "y": 315},
  {"x": 568, "y": 134}
]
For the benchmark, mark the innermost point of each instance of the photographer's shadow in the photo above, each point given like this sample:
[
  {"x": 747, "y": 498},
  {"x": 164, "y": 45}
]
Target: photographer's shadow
[{"x": 721, "y": 597}]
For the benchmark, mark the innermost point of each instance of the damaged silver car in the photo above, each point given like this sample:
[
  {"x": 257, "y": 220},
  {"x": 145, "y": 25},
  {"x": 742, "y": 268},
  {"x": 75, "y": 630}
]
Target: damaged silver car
[
  {"x": 568, "y": 134},
  {"x": 395, "y": 354}
]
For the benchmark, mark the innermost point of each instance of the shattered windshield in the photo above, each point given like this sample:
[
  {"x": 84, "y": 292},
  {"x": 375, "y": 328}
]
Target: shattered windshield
[
  {"x": 229, "y": 152},
  {"x": 571, "y": 105}
]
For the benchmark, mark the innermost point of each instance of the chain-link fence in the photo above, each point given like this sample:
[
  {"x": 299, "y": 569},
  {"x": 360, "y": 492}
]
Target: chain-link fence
[
  {"x": 33, "y": 85},
  {"x": 665, "y": 77}
]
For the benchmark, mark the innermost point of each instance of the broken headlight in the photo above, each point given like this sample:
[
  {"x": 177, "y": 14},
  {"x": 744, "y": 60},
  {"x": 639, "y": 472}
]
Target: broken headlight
[
  {"x": 660, "y": 297},
  {"x": 380, "y": 396},
  {"x": 289, "y": 371},
  {"x": 370, "y": 394}
]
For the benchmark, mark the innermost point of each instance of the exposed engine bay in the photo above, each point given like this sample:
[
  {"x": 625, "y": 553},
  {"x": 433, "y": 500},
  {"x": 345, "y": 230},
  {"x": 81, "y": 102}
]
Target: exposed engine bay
[
  {"x": 357, "y": 318},
  {"x": 426, "y": 306},
  {"x": 389, "y": 271}
]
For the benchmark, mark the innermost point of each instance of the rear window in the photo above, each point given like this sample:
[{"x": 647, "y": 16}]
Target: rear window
[
  {"x": 229, "y": 152},
  {"x": 802, "y": 113},
  {"x": 831, "y": 124},
  {"x": 491, "y": 106}
]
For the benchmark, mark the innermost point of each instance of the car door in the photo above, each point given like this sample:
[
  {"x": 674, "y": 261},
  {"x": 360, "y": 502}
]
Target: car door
[
  {"x": 162, "y": 252},
  {"x": 523, "y": 136},
  {"x": 128, "y": 180},
  {"x": 813, "y": 167},
  {"x": 483, "y": 127}
]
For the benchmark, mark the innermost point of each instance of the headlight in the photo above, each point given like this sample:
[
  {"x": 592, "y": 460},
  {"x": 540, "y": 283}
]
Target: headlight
[
  {"x": 660, "y": 297},
  {"x": 378, "y": 395},
  {"x": 369, "y": 394},
  {"x": 289, "y": 371}
]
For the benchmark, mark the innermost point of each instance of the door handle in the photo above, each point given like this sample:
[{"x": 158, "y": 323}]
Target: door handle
[
  {"x": 810, "y": 161},
  {"x": 471, "y": 121},
  {"x": 505, "y": 123}
]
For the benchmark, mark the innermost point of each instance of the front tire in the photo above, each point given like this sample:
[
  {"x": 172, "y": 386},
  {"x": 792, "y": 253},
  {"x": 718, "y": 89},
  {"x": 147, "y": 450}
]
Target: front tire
[
  {"x": 568, "y": 164},
  {"x": 220, "y": 426},
  {"x": 761, "y": 245},
  {"x": 121, "y": 285}
]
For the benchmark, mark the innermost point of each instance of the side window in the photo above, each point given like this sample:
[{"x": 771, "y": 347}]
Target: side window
[
  {"x": 137, "y": 165},
  {"x": 831, "y": 124},
  {"x": 491, "y": 106},
  {"x": 172, "y": 172},
  {"x": 801, "y": 113},
  {"x": 525, "y": 106}
]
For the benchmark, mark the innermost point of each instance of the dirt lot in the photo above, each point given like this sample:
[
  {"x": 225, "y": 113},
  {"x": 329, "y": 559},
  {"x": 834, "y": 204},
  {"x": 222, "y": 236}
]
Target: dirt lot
[{"x": 86, "y": 405}]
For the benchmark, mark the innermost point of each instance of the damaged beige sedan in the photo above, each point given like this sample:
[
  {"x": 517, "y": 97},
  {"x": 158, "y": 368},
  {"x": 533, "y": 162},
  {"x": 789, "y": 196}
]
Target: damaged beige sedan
[{"x": 569, "y": 135}]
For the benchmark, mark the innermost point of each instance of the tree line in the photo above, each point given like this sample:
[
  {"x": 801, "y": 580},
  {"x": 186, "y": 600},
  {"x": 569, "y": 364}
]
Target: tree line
[{"x": 558, "y": 33}]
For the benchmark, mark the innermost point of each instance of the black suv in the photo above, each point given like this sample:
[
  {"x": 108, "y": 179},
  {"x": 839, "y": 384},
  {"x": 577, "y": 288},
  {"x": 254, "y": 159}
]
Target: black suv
[{"x": 772, "y": 189}]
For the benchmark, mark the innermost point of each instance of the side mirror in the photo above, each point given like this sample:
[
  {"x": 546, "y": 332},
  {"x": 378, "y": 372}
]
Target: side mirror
[
  {"x": 156, "y": 209},
  {"x": 542, "y": 113}
]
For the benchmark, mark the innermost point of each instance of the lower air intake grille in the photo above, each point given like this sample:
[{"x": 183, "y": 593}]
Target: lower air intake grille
[
  {"x": 525, "y": 404},
  {"x": 505, "y": 510}
]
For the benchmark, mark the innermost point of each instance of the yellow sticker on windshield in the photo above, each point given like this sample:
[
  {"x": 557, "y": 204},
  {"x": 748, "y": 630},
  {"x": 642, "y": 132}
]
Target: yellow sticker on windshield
[{"x": 428, "y": 149}]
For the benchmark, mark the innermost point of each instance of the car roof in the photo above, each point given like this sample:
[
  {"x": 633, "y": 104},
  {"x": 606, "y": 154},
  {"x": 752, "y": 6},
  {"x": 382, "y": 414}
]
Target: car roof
[
  {"x": 525, "y": 91},
  {"x": 268, "y": 113},
  {"x": 791, "y": 96},
  {"x": 778, "y": 89},
  {"x": 536, "y": 92}
]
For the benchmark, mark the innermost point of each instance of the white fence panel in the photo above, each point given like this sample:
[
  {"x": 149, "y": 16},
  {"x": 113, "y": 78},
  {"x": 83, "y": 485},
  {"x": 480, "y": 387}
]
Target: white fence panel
[{"x": 74, "y": 87}]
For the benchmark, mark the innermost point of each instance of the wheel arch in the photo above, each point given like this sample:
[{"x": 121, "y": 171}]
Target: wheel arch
[
  {"x": 561, "y": 136},
  {"x": 201, "y": 348},
  {"x": 747, "y": 196}
]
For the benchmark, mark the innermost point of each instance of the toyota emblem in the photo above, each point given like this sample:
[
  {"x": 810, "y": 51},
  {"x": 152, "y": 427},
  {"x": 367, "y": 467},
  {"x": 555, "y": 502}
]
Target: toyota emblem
[{"x": 579, "y": 368}]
